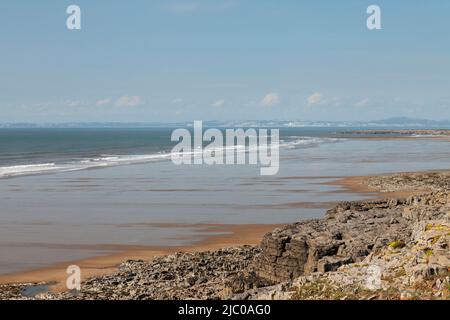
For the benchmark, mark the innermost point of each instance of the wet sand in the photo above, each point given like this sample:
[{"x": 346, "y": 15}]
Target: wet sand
[
  {"x": 225, "y": 235},
  {"x": 229, "y": 235}
]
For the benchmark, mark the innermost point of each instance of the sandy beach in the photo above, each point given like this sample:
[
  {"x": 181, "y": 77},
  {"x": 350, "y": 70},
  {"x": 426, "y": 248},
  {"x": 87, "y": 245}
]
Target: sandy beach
[
  {"x": 227, "y": 236},
  {"x": 232, "y": 235},
  {"x": 225, "y": 264}
]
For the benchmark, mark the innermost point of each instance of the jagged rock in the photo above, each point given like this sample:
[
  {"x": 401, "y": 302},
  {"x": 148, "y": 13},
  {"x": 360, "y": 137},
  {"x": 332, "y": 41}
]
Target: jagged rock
[
  {"x": 349, "y": 232},
  {"x": 328, "y": 264}
]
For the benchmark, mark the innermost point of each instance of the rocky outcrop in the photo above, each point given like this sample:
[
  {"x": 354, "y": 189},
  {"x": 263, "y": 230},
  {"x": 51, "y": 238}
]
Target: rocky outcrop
[
  {"x": 417, "y": 269},
  {"x": 406, "y": 132},
  {"x": 431, "y": 181},
  {"x": 200, "y": 275},
  {"x": 411, "y": 264},
  {"x": 349, "y": 232}
]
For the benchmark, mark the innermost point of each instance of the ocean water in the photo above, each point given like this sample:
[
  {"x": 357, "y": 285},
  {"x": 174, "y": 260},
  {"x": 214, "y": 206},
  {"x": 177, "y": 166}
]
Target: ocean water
[
  {"x": 66, "y": 194},
  {"x": 36, "y": 151}
]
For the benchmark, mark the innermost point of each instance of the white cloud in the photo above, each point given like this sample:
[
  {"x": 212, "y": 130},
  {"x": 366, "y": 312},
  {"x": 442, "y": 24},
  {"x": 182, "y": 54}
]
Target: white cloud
[
  {"x": 218, "y": 103},
  {"x": 73, "y": 103},
  {"x": 102, "y": 102},
  {"x": 177, "y": 100},
  {"x": 315, "y": 98},
  {"x": 128, "y": 101},
  {"x": 271, "y": 99},
  {"x": 362, "y": 103}
]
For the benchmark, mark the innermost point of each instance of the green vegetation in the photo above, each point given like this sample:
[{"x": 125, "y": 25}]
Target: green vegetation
[
  {"x": 436, "y": 227},
  {"x": 398, "y": 244}
]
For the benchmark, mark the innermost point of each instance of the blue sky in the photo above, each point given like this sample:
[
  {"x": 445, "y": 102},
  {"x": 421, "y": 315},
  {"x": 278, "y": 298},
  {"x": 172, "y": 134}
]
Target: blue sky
[{"x": 165, "y": 60}]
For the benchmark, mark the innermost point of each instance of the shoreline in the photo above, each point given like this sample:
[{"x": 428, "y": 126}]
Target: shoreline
[
  {"x": 393, "y": 138},
  {"x": 228, "y": 235},
  {"x": 241, "y": 265},
  {"x": 356, "y": 184}
]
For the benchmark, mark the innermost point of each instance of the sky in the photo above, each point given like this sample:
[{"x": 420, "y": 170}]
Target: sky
[{"x": 184, "y": 60}]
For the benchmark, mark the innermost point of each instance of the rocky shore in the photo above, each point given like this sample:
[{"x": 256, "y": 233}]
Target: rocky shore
[
  {"x": 407, "y": 132},
  {"x": 393, "y": 249},
  {"x": 384, "y": 249}
]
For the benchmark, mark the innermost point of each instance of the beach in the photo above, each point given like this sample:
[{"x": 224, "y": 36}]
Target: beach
[
  {"x": 233, "y": 235},
  {"x": 404, "y": 236},
  {"x": 226, "y": 236},
  {"x": 189, "y": 211}
]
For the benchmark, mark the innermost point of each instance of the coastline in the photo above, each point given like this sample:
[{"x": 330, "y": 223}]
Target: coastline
[
  {"x": 405, "y": 236},
  {"x": 227, "y": 236},
  {"x": 358, "y": 184}
]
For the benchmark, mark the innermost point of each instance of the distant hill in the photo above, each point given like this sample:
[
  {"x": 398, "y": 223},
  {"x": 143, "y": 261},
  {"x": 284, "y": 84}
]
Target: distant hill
[
  {"x": 412, "y": 122},
  {"x": 397, "y": 122}
]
